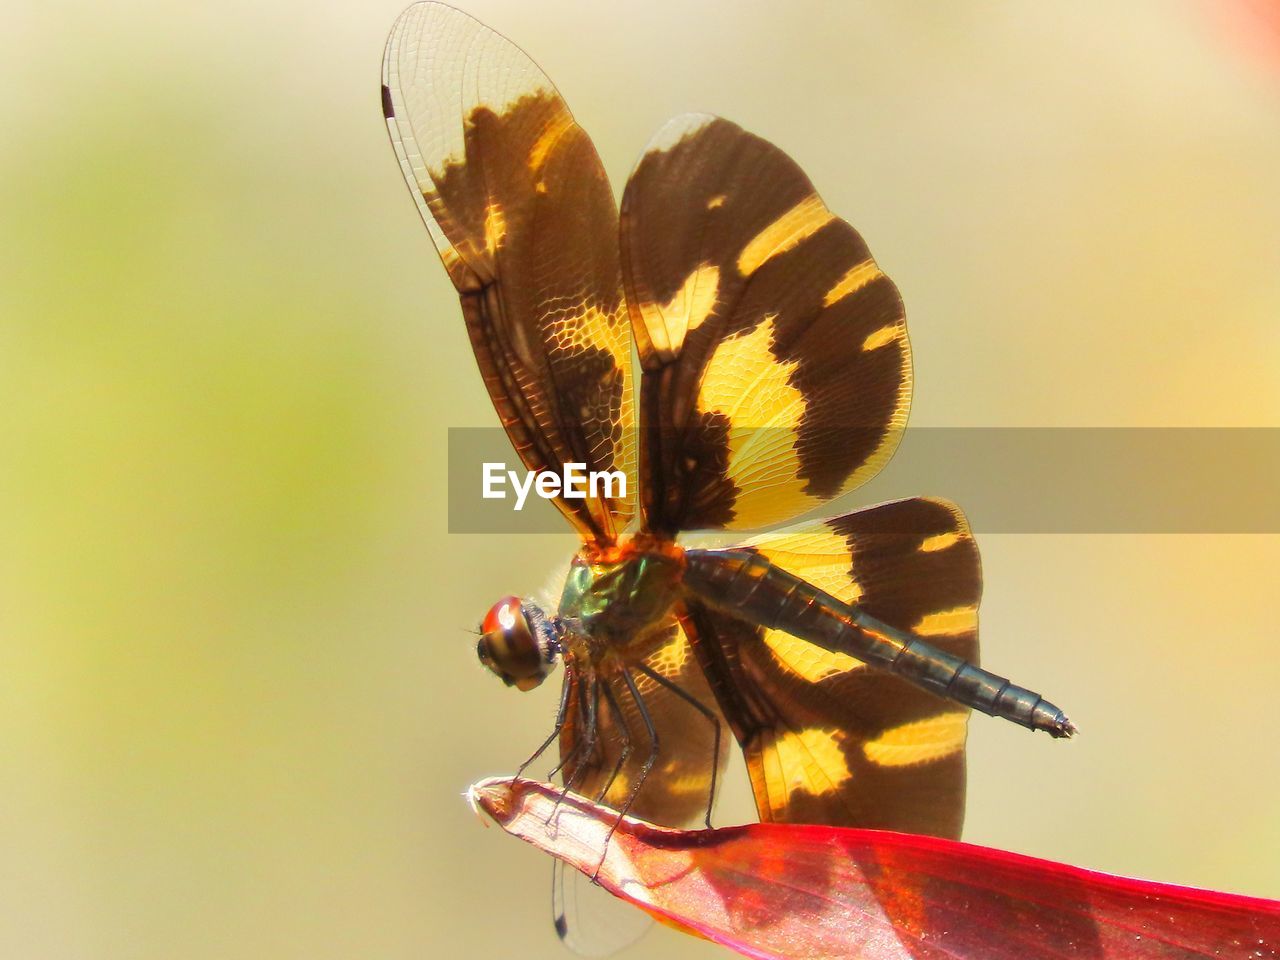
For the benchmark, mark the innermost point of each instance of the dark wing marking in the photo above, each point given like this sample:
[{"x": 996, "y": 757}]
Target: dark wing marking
[
  {"x": 827, "y": 739},
  {"x": 776, "y": 369},
  {"x": 677, "y": 789},
  {"x": 522, "y": 214}
]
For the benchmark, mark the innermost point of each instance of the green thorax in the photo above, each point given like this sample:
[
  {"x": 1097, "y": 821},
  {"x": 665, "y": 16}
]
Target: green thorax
[{"x": 620, "y": 601}]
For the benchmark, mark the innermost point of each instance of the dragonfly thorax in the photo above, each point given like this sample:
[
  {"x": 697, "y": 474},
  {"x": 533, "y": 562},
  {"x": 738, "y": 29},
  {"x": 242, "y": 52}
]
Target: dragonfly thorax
[{"x": 620, "y": 602}]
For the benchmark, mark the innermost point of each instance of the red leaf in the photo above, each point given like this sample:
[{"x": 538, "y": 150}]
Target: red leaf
[{"x": 787, "y": 891}]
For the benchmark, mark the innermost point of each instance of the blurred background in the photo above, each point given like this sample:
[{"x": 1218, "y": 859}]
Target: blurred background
[{"x": 238, "y": 705}]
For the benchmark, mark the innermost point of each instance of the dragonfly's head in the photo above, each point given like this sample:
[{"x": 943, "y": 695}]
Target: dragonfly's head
[{"x": 518, "y": 643}]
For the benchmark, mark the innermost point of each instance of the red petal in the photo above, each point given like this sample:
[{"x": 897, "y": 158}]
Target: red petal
[{"x": 788, "y": 891}]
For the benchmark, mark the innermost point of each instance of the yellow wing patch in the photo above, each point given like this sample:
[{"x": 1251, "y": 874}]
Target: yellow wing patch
[
  {"x": 692, "y": 303},
  {"x": 857, "y": 277},
  {"x": 939, "y": 542},
  {"x": 810, "y": 760},
  {"x": 669, "y": 659},
  {"x": 585, "y": 327},
  {"x": 582, "y": 326},
  {"x": 807, "y": 660},
  {"x": 803, "y": 220},
  {"x": 884, "y": 336},
  {"x": 746, "y": 383},
  {"x": 946, "y": 623},
  {"x": 547, "y": 139},
  {"x": 920, "y": 742},
  {"x": 820, "y": 555},
  {"x": 495, "y": 227}
]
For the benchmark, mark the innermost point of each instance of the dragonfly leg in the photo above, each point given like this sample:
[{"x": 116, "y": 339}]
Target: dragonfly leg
[
  {"x": 649, "y": 761},
  {"x": 561, "y": 713},
  {"x": 578, "y": 744},
  {"x": 649, "y": 729},
  {"x": 624, "y": 735},
  {"x": 589, "y": 746},
  {"x": 702, "y": 709}
]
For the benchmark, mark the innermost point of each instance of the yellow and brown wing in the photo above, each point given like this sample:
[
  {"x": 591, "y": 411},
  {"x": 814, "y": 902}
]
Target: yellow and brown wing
[
  {"x": 677, "y": 790},
  {"x": 826, "y": 738},
  {"x": 776, "y": 371},
  {"x": 522, "y": 214}
]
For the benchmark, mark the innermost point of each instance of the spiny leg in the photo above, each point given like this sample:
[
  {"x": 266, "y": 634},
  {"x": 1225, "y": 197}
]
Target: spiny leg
[
  {"x": 649, "y": 761},
  {"x": 561, "y": 713},
  {"x": 580, "y": 766},
  {"x": 651, "y": 730},
  {"x": 624, "y": 735},
  {"x": 581, "y": 690},
  {"x": 702, "y": 709}
]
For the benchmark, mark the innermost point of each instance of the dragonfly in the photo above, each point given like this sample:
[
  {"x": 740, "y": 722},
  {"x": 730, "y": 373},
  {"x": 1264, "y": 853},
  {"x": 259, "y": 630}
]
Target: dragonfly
[{"x": 729, "y": 345}]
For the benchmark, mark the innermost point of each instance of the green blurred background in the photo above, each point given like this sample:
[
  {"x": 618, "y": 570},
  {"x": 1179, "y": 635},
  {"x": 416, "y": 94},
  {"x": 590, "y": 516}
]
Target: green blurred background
[{"x": 238, "y": 707}]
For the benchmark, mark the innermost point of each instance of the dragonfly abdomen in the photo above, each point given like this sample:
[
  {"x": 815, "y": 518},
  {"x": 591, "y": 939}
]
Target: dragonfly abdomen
[{"x": 746, "y": 585}]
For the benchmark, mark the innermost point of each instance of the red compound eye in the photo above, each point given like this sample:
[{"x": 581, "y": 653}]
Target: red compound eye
[
  {"x": 517, "y": 643},
  {"x": 503, "y": 616}
]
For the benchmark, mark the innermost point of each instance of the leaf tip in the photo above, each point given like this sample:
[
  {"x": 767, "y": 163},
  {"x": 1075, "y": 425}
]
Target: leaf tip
[{"x": 493, "y": 797}]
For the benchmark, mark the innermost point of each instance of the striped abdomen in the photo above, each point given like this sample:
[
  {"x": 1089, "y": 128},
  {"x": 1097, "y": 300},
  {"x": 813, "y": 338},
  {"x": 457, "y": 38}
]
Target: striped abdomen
[{"x": 746, "y": 585}]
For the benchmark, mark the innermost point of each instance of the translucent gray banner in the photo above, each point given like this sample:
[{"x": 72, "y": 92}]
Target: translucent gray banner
[{"x": 1007, "y": 480}]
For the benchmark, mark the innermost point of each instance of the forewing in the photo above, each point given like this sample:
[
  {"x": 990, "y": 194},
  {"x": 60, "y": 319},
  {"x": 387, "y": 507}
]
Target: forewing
[
  {"x": 826, "y": 738},
  {"x": 523, "y": 217},
  {"x": 776, "y": 371},
  {"x": 677, "y": 790}
]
